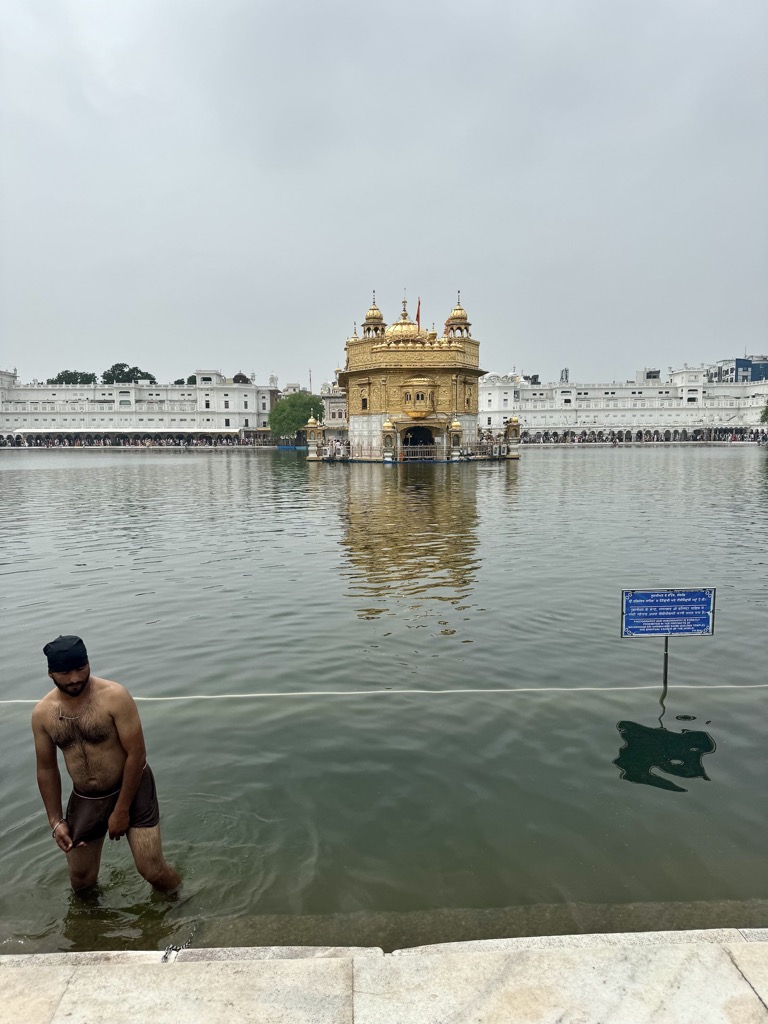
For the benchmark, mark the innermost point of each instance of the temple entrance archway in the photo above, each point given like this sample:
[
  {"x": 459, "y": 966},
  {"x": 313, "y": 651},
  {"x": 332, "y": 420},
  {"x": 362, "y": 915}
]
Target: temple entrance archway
[{"x": 417, "y": 435}]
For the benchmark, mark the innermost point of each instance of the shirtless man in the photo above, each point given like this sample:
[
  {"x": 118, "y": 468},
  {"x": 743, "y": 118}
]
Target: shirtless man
[{"x": 96, "y": 724}]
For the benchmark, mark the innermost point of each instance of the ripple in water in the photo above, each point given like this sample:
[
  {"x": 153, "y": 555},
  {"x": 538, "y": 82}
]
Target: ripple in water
[{"x": 399, "y": 817}]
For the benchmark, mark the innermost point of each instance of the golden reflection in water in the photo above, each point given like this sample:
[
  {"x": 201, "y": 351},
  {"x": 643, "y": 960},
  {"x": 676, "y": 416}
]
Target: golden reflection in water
[{"x": 410, "y": 533}]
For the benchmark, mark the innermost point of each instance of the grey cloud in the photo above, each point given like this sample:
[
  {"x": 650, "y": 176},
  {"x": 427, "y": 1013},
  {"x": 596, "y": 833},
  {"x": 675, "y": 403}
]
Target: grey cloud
[{"x": 195, "y": 183}]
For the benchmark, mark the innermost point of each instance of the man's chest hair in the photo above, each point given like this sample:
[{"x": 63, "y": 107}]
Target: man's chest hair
[{"x": 92, "y": 727}]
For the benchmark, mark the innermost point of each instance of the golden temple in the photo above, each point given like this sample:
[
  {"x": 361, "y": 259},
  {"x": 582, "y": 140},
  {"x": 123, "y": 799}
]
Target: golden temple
[{"x": 408, "y": 392}]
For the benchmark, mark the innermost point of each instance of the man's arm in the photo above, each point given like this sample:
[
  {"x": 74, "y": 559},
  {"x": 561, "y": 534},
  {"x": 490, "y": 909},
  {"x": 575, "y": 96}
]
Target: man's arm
[
  {"x": 49, "y": 782},
  {"x": 128, "y": 725}
]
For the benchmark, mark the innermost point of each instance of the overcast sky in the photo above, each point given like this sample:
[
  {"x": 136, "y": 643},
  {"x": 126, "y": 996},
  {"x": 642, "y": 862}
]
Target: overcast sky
[{"x": 220, "y": 184}]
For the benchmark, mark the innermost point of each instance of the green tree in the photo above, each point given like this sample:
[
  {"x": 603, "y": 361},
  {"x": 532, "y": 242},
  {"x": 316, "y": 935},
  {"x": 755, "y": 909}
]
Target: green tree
[
  {"x": 291, "y": 413},
  {"x": 72, "y": 377},
  {"x": 191, "y": 380},
  {"x": 122, "y": 373},
  {"x": 764, "y": 414},
  {"x": 179, "y": 380}
]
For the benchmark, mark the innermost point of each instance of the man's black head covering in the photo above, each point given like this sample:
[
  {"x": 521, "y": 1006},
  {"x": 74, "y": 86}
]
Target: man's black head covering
[{"x": 65, "y": 653}]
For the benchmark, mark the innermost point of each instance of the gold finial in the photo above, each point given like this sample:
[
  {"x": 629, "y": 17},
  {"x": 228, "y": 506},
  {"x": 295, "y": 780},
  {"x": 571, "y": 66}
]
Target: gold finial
[
  {"x": 374, "y": 297},
  {"x": 458, "y": 301},
  {"x": 354, "y": 331}
]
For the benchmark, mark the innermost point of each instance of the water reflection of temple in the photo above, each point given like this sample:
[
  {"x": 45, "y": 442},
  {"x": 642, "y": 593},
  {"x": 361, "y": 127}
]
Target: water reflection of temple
[{"x": 411, "y": 531}]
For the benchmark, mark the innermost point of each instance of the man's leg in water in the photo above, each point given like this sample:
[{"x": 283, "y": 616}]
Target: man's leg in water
[
  {"x": 147, "y": 850},
  {"x": 83, "y": 863}
]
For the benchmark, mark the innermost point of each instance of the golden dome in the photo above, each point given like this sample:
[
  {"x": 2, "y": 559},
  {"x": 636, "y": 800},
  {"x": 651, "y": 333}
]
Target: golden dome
[
  {"x": 373, "y": 316},
  {"x": 455, "y": 425},
  {"x": 387, "y": 424},
  {"x": 458, "y": 313},
  {"x": 403, "y": 328},
  {"x": 311, "y": 422}
]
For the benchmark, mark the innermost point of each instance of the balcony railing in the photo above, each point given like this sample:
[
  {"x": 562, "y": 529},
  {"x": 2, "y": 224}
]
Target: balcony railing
[{"x": 414, "y": 452}]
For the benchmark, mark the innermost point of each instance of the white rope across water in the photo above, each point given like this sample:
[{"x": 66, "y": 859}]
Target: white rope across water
[{"x": 433, "y": 693}]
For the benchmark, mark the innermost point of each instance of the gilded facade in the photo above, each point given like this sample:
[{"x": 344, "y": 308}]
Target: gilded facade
[{"x": 405, "y": 386}]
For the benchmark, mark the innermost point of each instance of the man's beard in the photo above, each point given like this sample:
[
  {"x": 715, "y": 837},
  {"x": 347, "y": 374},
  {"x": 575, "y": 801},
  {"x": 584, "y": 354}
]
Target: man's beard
[{"x": 72, "y": 689}]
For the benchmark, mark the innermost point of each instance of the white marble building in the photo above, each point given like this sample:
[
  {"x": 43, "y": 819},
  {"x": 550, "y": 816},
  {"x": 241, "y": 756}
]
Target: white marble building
[
  {"x": 686, "y": 401},
  {"x": 335, "y": 406},
  {"x": 214, "y": 405}
]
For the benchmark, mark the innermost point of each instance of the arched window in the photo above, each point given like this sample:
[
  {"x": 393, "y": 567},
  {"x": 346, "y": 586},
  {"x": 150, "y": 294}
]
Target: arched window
[
  {"x": 407, "y": 396},
  {"x": 419, "y": 396}
]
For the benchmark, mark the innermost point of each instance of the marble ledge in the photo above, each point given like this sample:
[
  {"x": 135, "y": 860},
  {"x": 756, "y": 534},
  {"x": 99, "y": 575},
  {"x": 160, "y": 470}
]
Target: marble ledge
[
  {"x": 241, "y": 953},
  {"x": 589, "y": 941},
  {"x": 308, "y": 991},
  {"x": 717, "y": 976},
  {"x": 703, "y": 983}
]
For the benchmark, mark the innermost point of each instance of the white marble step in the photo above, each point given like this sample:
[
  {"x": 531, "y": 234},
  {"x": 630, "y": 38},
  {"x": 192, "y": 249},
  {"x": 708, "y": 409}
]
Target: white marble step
[{"x": 682, "y": 979}]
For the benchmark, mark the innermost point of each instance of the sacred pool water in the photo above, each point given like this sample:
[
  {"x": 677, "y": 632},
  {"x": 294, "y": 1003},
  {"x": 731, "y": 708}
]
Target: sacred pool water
[{"x": 382, "y": 703}]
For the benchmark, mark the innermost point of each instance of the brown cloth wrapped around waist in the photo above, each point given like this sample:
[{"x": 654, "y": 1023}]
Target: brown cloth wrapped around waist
[{"x": 88, "y": 813}]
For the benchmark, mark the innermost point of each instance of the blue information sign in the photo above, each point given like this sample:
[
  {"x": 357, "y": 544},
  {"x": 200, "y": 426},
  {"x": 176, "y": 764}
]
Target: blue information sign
[{"x": 667, "y": 612}]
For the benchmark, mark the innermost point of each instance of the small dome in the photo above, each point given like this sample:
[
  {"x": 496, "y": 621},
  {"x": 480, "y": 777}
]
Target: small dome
[
  {"x": 387, "y": 424},
  {"x": 373, "y": 316},
  {"x": 240, "y": 378},
  {"x": 455, "y": 425},
  {"x": 458, "y": 313},
  {"x": 311, "y": 422}
]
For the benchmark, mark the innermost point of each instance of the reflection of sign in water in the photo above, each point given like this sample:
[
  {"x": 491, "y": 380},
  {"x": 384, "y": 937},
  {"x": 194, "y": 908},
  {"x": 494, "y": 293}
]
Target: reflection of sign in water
[
  {"x": 646, "y": 749},
  {"x": 667, "y": 612}
]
